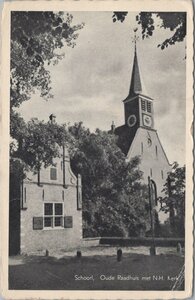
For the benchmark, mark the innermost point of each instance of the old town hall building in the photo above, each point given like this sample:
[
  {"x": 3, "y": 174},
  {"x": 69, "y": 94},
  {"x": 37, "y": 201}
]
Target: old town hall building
[{"x": 138, "y": 136}]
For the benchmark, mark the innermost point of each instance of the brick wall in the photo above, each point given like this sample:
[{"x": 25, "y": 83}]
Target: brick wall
[{"x": 32, "y": 201}]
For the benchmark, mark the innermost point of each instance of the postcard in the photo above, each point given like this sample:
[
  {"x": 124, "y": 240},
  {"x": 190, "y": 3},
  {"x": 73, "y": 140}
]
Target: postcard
[{"x": 97, "y": 149}]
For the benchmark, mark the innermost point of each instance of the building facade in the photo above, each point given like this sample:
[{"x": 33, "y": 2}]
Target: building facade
[
  {"x": 49, "y": 208},
  {"x": 138, "y": 136}
]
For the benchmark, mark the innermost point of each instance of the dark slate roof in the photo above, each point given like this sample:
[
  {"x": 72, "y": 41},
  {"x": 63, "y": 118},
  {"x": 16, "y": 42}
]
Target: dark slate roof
[
  {"x": 125, "y": 137},
  {"x": 136, "y": 85}
]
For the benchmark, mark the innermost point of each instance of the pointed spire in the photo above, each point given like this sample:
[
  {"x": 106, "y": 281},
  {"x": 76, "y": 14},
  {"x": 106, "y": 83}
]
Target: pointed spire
[{"x": 136, "y": 85}]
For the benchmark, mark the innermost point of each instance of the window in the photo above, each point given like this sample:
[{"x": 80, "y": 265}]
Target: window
[
  {"x": 156, "y": 151},
  {"x": 162, "y": 175},
  {"x": 143, "y": 104},
  {"x": 53, "y": 173},
  {"x": 149, "y": 107},
  {"x": 53, "y": 215},
  {"x": 142, "y": 148}
]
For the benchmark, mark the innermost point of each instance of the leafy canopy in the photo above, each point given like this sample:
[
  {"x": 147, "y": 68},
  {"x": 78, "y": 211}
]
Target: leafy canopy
[
  {"x": 174, "y": 200},
  {"x": 39, "y": 142},
  {"x": 114, "y": 197},
  {"x": 36, "y": 42},
  {"x": 114, "y": 200},
  {"x": 175, "y": 21},
  {"x": 36, "y": 38}
]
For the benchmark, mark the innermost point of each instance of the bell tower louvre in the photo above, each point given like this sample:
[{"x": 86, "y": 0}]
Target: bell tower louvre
[{"x": 138, "y": 136}]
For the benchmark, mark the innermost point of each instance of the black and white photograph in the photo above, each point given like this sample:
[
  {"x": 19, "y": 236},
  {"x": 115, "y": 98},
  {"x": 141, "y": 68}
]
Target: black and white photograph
[{"x": 98, "y": 131}]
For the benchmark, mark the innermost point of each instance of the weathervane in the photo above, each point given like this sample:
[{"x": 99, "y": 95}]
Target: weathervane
[{"x": 135, "y": 38}]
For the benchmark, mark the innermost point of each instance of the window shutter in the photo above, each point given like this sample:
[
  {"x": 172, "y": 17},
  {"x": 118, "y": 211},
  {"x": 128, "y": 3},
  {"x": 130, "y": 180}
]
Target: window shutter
[
  {"x": 79, "y": 193},
  {"x": 23, "y": 198},
  {"x": 68, "y": 222},
  {"x": 37, "y": 223}
]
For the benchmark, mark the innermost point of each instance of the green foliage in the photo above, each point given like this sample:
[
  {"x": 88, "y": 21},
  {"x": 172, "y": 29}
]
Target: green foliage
[
  {"x": 38, "y": 142},
  {"x": 174, "y": 21},
  {"x": 174, "y": 199},
  {"x": 119, "y": 16},
  {"x": 35, "y": 39},
  {"x": 114, "y": 200}
]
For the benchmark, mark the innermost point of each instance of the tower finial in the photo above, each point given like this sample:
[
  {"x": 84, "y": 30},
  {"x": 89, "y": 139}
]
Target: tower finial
[
  {"x": 135, "y": 38},
  {"x": 136, "y": 85}
]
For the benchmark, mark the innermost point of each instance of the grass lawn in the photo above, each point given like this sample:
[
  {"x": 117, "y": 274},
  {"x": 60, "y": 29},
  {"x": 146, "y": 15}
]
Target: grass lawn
[{"x": 134, "y": 272}]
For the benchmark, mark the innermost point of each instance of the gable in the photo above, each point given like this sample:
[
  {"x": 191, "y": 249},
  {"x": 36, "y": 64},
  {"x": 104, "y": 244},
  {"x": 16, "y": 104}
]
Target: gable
[
  {"x": 153, "y": 160},
  {"x": 60, "y": 173},
  {"x": 147, "y": 144}
]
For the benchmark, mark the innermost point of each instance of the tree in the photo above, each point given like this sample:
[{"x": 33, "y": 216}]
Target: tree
[
  {"x": 35, "y": 39},
  {"x": 111, "y": 186},
  {"x": 174, "y": 200},
  {"x": 175, "y": 21},
  {"x": 112, "y": 200},
  {"x": 38, "y": 143}
]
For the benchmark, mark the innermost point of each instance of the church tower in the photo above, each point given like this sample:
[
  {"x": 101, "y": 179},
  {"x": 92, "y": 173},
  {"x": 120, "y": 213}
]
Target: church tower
[{"x": 138, "y": 136}]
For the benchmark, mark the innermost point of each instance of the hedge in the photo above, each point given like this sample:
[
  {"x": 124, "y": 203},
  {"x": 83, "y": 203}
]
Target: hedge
[{"x": 144, "y": 241}]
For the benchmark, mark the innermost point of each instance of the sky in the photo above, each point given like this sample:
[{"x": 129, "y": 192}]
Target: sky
[{"x": 90, "y": 83}]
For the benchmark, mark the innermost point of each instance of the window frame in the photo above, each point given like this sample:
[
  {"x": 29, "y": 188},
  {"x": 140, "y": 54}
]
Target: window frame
[
  {"x": 149, "y": 106},
  {"x": 142, "y": 148},
  {"x": 53, "y": 216},
  {"x": 143, "y": 104},
  {"x": 53, "y": 168},
  {"x": 156, "y": 151}
]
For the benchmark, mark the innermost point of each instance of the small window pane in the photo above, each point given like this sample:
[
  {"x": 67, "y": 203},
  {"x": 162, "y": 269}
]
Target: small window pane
[
  {"x": 58, "y": 209},
  {"x": 143, "y": 104},
  {"x": 48, "y": 221},
  {"x": 53, "y": 173},
  {"x": 148, "y": 106},
  {"x": 58, "y": 221},
  {"x": 48, "y": 209}
]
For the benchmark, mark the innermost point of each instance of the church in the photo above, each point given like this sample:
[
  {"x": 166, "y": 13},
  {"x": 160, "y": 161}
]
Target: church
[{"x": 138, "y": 136}]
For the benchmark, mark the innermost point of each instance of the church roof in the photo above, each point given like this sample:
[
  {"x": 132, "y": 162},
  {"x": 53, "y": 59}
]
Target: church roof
[
  {"x": 125, "y": 137},
  {"x": 137, "y": 84}
]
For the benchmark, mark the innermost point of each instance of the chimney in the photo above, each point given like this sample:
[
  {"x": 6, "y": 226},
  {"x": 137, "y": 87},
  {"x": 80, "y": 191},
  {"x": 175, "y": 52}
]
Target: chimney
[
  {"x": 52, "y": 118},
  {"x": 113, "y": 127}
]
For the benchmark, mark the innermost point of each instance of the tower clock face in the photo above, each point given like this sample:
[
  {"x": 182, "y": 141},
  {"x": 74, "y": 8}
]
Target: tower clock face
[
  {"x": 147, "y": 120},
  {"x": 131, "y": 121}
]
